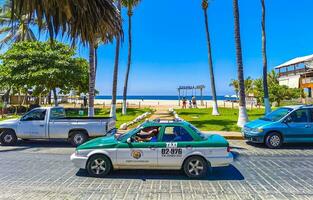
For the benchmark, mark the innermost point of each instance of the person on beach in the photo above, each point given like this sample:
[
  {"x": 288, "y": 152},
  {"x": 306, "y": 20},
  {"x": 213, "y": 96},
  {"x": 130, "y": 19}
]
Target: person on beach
[
  {"x": 190, "y": 104},
  {"x": 184, "y": 103},
  {"x": 194, "y": 101}
]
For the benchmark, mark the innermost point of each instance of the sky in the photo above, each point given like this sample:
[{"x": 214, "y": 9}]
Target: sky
[{"x": 170, "y": 49}]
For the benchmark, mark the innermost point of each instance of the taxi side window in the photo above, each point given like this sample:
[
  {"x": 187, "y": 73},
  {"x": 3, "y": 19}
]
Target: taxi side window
[
  {"x": 299, "y": 116},
  {"x": 311, "y": 112},
  {"x": 176, "y": 134}
]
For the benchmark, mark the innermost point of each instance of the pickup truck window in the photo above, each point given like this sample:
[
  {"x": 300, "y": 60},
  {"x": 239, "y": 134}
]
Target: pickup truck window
[
  {"x": 57, "y": 113},
  {"x": 35, "y": 115}
]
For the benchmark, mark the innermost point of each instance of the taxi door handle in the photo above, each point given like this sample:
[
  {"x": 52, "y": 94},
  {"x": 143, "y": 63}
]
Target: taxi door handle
[
  {"x": 189, "y": 147},
  {"x": 152, "y": 147},
  {"x": 41, "y": 125},
  {"x": 307, "y": 126}
]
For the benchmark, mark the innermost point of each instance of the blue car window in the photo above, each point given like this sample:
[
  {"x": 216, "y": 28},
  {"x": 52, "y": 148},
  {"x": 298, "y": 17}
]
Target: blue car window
[
  {"x": 299, "y": 116},
  {"x": 176, "y": 134}
]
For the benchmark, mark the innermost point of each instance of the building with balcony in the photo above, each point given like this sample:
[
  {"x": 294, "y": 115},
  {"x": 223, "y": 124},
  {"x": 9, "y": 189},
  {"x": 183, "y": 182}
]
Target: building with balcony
[{"x": 297, "y": 73}]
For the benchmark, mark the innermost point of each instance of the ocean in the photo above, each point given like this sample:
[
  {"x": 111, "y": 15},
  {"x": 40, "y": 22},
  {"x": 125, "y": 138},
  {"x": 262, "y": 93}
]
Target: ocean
[{"x": 163, "y": 97}]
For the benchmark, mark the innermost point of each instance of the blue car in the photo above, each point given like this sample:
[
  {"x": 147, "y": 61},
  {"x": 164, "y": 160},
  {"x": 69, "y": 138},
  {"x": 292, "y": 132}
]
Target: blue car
[{"x": 284, "y": 125}]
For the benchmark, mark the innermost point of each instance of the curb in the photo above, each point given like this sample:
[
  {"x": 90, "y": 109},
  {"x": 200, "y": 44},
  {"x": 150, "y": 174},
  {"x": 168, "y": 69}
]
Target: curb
[{"x": 233, "y": 137}]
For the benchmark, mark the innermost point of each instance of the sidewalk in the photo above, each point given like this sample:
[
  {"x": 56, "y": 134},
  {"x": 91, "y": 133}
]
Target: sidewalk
[{"x": 227, "y": 135}]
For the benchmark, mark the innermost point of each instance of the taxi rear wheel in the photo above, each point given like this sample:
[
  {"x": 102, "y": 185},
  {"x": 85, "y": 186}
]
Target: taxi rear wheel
[
  {"x": 98, "y": 166},
  {"x": 273, "y": 140},
  {"x": 195, "y": 167}
]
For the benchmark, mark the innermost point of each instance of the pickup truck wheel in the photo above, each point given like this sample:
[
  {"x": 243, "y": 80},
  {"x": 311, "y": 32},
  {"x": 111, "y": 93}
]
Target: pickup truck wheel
[
  {"x": 99, "y": 166},
  {"x": 78, "y": 138},
  {"x": 195, "y": 167},
  {"x": 273, "y": 140},
  {"x": 8, "y": 137}
]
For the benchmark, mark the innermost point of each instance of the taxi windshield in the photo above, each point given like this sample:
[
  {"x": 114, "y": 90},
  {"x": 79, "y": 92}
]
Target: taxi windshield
[
  {"x": 127, "y": 135},
  {"x": 277, "y": 114}
]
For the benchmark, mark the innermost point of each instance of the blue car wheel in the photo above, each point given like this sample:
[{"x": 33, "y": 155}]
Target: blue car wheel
[{"x": 273, "y": 140}]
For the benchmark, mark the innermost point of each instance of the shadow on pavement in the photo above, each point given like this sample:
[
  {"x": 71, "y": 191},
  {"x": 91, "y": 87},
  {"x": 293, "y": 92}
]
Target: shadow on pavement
[
  {"x": 294, "y": 146},
  {"x": 27, "y": 144},
  {"x": 219, "y": 173}
]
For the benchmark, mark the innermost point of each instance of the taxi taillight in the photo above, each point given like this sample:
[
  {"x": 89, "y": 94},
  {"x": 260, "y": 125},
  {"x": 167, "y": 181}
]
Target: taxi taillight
[{"x": 228, "y": 149}]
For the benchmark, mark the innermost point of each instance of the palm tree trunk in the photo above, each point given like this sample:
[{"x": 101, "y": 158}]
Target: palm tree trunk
[
  {"x": 55, "y": 96},
  {"x": 96, "y": 60},
  {"x": 243, "y": 116},
  {"x": 115, "y": 73},
  {"x": 265, "y": 87},
  {"x": 124, "y": 111},
  {"x": 92, "y": 80},
  {"x": 213, "y": 90}
]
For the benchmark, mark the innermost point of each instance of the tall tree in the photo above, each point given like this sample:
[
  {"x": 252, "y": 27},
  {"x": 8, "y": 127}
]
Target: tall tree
[
  {"x": 92, "y": 78},
  {"x": 243, "y": 116},
  {"x": 43, "y": 67},
  {"x": 129, "y": 4},
  {"x": 205, "y": 5},
  {"x": 115, "y": 73},
  {"x": 82, "y": 20},
  {"x": 265, "y": 86}
]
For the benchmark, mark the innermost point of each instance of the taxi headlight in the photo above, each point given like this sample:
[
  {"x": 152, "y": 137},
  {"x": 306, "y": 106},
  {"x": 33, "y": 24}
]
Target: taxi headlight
[{"x": 79, "y": 153}]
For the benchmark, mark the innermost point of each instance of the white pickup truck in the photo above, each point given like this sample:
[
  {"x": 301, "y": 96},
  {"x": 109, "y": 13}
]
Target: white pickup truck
[{"x": 51, "y": 123}]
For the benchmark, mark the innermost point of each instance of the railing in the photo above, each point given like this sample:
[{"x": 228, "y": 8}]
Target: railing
[
  {"x": 292, "y": 72},
  {"x": 307, "y": 80}
]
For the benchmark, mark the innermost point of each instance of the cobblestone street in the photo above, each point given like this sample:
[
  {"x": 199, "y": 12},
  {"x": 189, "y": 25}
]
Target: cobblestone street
[{"x": 38, "y": 170}]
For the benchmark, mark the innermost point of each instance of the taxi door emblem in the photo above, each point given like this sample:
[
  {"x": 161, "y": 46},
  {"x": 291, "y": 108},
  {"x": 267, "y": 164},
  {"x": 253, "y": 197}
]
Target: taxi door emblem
[{"x": 136, "y": 154}]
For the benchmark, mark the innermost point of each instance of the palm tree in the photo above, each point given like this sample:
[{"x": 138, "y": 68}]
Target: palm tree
[
  {"x": 115, "y": 73},
  {"x": 17, "y": 30},
  {"x": 129, "y": 4},
  {"x": 243, "y": 116},
  {"x": 205, "y": 5},
  {"x": 265, "y": 87},
  {"x": 92, "y": 78},
  {"x": 84, "y": 19}
]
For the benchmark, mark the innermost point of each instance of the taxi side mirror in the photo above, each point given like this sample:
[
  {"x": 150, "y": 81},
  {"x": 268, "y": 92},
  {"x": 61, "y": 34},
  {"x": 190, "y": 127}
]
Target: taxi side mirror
[{"x": 129, "y": 140}]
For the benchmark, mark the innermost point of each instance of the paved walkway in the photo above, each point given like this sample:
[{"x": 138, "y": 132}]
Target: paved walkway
[
  {"x": 164, "y": 114},
  {"x": 161, "y": 113}
]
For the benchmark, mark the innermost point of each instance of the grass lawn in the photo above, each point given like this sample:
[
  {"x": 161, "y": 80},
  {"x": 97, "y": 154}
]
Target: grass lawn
[
  {"x": 132, "y": 113},
  {"x": 10, "y": 117},
  {"x": 202, "y": 118}
]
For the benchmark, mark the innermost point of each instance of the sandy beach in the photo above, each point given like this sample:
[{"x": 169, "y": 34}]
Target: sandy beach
[{"x": 164, "y": 103}]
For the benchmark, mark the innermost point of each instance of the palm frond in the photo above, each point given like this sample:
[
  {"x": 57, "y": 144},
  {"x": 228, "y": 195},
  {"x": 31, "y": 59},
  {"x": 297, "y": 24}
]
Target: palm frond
[{"x": 85, "y": 19}]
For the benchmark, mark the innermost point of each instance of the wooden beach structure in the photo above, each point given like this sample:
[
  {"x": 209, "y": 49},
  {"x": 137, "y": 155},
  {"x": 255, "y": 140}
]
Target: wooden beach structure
[{"x": 193, "y": 89}]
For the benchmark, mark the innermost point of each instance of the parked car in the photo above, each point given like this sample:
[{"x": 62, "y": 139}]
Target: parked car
[
  {"x": 284, "y": 125},
  {"x": 51, "y": 123},
  {"x": 155, "y": 145}
]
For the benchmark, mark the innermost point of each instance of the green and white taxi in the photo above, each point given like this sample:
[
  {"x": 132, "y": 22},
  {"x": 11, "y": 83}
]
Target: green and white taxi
[{"x": 171, "y": 145}]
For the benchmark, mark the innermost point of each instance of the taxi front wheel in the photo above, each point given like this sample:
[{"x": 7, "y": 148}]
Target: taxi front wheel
[
  {"x": 195, "y": 167},
  {"x": 98, "y": 166}
]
